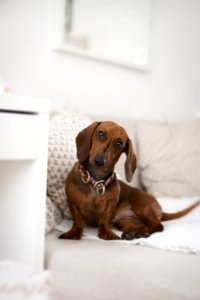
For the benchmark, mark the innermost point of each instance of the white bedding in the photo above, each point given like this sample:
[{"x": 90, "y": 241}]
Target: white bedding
[{"x": 179, "y": 235}]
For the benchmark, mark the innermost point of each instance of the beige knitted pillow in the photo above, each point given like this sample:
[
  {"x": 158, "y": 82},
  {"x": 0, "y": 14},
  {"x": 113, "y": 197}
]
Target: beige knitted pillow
[
  {"x": 53, "y": 215},
  {"x": 169, "y": 157},
  {"x": 64, "y": 127}
]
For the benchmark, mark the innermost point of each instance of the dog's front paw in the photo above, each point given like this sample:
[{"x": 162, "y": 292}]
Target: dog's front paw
[
  {"x": 108, "y": 235},
  {"x": 71, "y": 235}
]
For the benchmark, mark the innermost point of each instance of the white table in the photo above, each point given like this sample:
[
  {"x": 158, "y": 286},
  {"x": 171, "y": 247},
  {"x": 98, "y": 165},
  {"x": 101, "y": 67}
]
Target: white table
[{"x": 23, "y": 169}]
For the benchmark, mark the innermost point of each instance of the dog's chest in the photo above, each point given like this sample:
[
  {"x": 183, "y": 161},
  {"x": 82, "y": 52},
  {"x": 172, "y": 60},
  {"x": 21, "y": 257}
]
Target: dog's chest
[{"x": 91, "y": 207}]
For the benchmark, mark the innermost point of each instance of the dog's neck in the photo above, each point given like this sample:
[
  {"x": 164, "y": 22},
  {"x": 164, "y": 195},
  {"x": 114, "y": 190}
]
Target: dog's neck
[
  {"x": 94, "y": 175},
  {"x": 99, "y": 184}
]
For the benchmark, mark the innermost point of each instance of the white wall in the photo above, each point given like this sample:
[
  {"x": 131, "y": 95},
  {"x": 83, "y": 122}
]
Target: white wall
[{"x": 171, "y": 87}]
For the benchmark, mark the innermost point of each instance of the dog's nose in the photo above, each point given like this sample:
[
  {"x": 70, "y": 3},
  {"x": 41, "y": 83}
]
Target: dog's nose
[{"x": 99, "y": 160}]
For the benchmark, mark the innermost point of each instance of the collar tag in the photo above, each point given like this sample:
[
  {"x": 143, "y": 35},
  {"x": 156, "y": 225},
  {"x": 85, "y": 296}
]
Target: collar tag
[{"x": 99, "y": 187}]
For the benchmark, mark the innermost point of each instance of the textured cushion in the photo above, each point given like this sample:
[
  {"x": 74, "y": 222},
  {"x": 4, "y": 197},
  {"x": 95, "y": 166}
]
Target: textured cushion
[
  {"x": 169, "y": 157},
  {"x": 53, "y": 215},
  {"x": 64, "y": 127}
]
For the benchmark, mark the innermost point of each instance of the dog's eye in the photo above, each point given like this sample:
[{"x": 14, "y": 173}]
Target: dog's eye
[
  {"x": 119, "y": 144},
  {"x": 100, "y": 135}
]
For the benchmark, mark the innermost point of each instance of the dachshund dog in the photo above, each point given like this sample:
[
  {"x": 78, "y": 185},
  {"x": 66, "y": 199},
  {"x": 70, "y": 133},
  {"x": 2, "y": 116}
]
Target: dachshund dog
[{"x": 97, "y": 198}]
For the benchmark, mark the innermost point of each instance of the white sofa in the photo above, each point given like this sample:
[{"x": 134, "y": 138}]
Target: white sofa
[{"x": 164, "y": 266}]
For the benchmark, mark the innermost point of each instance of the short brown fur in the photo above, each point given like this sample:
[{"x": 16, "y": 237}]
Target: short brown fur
[{"x": 133, "y": 211}]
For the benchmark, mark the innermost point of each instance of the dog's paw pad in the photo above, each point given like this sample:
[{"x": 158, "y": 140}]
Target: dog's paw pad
[
  {"x": 142, "y": 235},
  {"x": 128, "y": 236}
]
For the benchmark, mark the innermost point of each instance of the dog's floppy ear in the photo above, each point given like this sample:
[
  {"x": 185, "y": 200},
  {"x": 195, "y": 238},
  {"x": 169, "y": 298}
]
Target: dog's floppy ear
[
  {"x": 130, "y": 163},
  {"x": 83, "y": 141}
]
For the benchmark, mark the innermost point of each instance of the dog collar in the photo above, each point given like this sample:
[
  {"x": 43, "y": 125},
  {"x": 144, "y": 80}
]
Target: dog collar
[{"x": 98, "y": 185}]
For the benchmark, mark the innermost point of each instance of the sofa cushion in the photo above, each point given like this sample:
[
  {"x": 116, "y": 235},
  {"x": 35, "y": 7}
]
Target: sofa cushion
[
  {"x": 169, "y": 157},
  {"x": 20, "y": 281},
  {"x": 97, "y": 269},
  {"x": 64, "y": 126}
]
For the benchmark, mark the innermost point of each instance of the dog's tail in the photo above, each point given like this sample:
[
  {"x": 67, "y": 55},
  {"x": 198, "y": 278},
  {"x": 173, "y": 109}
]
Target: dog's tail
[{"x": 179, "y": 214}]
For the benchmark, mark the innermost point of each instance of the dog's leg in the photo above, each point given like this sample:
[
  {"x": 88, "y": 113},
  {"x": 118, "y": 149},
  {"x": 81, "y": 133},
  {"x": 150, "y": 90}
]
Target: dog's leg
[
  {"x": 75, "y": 233},
  {"x": 151, "y": 218},
  {"x": 106, "y": 233},
  {"x": 132, "y": 228},
  {"x": 104, "y": 226}
]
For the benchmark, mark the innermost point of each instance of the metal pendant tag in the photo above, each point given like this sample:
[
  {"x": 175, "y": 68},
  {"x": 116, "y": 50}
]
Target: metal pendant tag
[{"x": 99, "y": 187}]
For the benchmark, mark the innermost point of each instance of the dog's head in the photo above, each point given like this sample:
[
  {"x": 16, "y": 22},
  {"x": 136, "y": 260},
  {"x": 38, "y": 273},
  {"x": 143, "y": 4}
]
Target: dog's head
[{"x": 100, "y": 145}]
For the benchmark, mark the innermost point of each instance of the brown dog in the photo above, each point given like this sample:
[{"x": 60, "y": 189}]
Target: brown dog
[{"x": 96, "y": 197}]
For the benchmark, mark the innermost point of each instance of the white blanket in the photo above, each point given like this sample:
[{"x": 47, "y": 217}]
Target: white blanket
[{"x": 179, "y": 235}]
